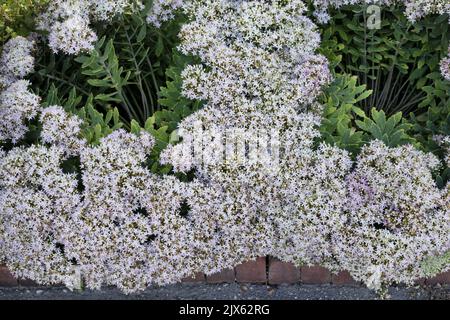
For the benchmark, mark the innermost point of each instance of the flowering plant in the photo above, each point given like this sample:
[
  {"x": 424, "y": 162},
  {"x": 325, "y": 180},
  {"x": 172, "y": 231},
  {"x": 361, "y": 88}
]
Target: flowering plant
[{"x": 258, "y": 164}]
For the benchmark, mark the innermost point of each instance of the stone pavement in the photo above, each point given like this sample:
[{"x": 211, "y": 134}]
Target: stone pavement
[{"x": 234, "y": 291}]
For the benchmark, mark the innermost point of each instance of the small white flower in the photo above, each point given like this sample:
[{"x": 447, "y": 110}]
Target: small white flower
[
  {"x": 17, "y": 105},
  {"x": 73, "y": 36},
  {"x": 16, "y": 60},
  {"x": 62, "y": 129}
]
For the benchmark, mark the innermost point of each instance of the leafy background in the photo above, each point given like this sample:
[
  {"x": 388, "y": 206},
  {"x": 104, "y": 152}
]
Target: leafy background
[{"x": 388, "y": 85}]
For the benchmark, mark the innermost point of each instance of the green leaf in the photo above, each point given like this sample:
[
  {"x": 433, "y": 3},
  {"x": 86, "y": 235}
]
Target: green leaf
[
  {"x": 159, "y": 48},
  {"x": 142, "y": 33},
  {"x": 135, "y": 127},
  {"x": 99, "y": 83},
  {"x": 364, "y": 95}
]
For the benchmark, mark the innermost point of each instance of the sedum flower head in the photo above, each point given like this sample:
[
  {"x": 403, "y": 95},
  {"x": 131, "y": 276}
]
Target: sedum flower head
[
  {"x": 68, "y": 21},
  {"x": 163, "y": 10},
  {"x": 62, "y": 129},
  {"x": 16, "y": 60},
  {"x": 17, "y": 105},
  {"x": 396, "y": 216},
  {"x": 72, "y": 36}
]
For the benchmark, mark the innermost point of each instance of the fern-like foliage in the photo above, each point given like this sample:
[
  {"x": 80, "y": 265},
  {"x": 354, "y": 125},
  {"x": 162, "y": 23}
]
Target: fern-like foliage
[
  {"x": 175, "y": 107},
  {"x": 96, "y": 125},
  {"x": 399, "y": 61},
  {"x": 347, "y": 126},
  {"x": 392, "y": 131},
  {"x": 340, "y": 113},
  {"x": 103, "y": 71}
]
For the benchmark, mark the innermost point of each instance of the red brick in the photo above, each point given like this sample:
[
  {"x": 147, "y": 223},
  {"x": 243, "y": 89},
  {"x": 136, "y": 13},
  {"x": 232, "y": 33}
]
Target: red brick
[
  {"x": 198, "y": 277},
  {"x": 443, "y": 278},
  {"x": 315, "y": 275},
  {"x": 420, "y": 281},
  {"x": 252, "y": 271},
  {"x": 27, "y": 283},
  {"x": 343, "y": 278},
  {"x": 282, "y": 272},
  {"x": 223, "y": 276},
  {"x": 6, "y": 278}
]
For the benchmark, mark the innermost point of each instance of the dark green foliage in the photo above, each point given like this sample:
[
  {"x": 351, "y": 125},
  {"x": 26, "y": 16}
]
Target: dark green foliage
[
  {"x": 348, "y": 126},
  {"x": 340, "y": 112},
  {"x": 392, "y": 131},
  {"x": 103, "y": 72},
  {"x": 429, "y": 126},
  {"x": 163, "y": 124},
  {"x": 125, "y": 70},
  {"x": 59, "y": 71},
  {"x": 96, "y": 125},
  {"x": 399, "y": 62},
  {"x": 435, "y": 122}
]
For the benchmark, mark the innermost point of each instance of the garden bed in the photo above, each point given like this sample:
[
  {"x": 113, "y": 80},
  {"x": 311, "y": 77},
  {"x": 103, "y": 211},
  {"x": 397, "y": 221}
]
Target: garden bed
[{"x": 144, "y": 142}]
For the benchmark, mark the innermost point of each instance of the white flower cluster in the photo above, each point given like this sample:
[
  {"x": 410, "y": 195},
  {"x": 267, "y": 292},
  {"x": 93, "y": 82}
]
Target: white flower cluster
[
  {"x": 414, "y": 9},
  {"x": 305, "y": 201},
  {"x": 417, "y": 9},
  {"x": 396, "y": 216},
  {"x": 445, "y": 66},
  {"x": 16, "y": 60},
  {"x": 256, "y": 55},
  {"x": 68, "y": 21},
  {"x": 163, "y": 10},
  {"x": 128, "y": 231},
  {"x": 61, "y": 129},
  {"x": 72, "y": 36},
  {"x": 37, "y": 201},
  {"x": 17, "y": 103}
]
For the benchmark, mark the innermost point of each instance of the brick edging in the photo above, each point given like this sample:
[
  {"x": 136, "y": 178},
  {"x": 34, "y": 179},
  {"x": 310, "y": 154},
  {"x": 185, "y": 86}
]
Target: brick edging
[
  {"x": 261, "y": 270},
  {"x": 273, "y": 271}
]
